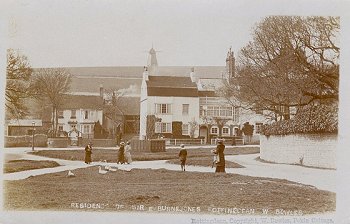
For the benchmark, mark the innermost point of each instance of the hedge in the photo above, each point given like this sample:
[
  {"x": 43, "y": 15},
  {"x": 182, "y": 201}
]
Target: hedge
[{"x": 309, "y": 119}]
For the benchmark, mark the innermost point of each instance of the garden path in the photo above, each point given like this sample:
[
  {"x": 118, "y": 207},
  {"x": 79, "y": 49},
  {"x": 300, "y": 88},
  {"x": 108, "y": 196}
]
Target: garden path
[{"x": 321, "y": 178}]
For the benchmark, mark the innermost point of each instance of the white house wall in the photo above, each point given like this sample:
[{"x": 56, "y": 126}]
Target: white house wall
[
  {"x": 94, "y": 116},
  {"x": 176, "y": 109},
  {"x": 143, "y": 110}
]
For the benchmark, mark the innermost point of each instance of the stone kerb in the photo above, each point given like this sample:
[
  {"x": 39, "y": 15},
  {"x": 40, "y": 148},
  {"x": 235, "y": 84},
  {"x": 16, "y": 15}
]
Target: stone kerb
[{"x": 316, "y": 150}]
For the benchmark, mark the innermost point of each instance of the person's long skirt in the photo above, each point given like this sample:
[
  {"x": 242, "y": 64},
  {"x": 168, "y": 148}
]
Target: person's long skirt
[
  {"x": 121, "y": 158},
  {"x": 128, "y": 157},
  {"x": 88, "y": 157}
]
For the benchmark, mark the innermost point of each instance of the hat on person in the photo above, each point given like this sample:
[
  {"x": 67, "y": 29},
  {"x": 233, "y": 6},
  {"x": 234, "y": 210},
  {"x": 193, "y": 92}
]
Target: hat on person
[
  {"x": 219, "y": 141},
  {"x": 122, "y": 143},
  {"x": 182, "y": 145}
]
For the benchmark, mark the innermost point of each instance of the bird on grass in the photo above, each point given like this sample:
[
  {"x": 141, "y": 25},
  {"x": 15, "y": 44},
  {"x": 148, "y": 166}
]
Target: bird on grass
[
  {"x": 101, "y": 171},
  {"x": 70, "y": 174},
  {"x": 112, "y": 169}
]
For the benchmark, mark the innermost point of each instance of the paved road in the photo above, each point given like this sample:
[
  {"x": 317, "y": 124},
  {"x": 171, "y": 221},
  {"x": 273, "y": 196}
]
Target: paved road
[{"x": 320, "y": 178}]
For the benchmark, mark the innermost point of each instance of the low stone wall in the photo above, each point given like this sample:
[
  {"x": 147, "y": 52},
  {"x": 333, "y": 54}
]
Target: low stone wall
[
  {"x": 58, "y": 142},
  {"x": 99, "y": 142},
  {"x": 316, "y": 150},
  {"x": 40, "y": 140}
]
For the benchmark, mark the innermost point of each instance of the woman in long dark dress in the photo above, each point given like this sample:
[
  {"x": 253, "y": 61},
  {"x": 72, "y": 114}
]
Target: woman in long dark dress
[
  {"x": 220, "y": 164},
  {"x": 121, "y": 158},
  {"x": 88, "y": 152}
]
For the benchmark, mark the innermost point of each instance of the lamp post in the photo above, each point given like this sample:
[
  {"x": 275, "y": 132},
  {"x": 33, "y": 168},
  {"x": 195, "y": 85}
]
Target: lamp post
[{"x": 33, "y": 124}]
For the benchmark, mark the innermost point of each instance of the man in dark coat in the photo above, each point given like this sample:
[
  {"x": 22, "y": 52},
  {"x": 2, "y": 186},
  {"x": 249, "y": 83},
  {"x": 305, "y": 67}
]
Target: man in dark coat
[
  {"x": 220, "y": 164},
  {"x": 88, "y": 152},
  {"x": 182, "y": 157},
  {"x": 121, "y": 158}
]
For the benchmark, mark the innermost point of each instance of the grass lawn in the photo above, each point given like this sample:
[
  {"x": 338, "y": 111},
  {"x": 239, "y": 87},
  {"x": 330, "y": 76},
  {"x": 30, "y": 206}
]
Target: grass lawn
[
  {"x": 12, "y": 166},
  {"x": 204, "y": 161},
  {"x": 111, "y": 155},
  {"x": 153, "y": 188}
]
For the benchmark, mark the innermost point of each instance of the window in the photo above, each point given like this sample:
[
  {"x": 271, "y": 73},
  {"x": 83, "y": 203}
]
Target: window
[
  {"x": 163, "y": 108},
  {"x": 185, "y": 109},
  {"x": 225, "y": 130},
  {"x": 163, "y": 127},
  {"x": 60, "y": 127},
  {"x": 86, "y": 128},
  {"x": 214, "y": 130},
  {"x": 235, "y": 114},
  {"x": 60, "y": 113},
  {"x": 184, "y": 129},
  {"x": 258, "y": 128},
  {"x": 86, "y": 114},
  {"x": 73, "y": 114}
]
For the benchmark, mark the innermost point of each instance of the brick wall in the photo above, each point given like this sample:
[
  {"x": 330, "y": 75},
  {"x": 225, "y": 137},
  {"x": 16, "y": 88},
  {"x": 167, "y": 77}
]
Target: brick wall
[{"x": 317, "y": 150}]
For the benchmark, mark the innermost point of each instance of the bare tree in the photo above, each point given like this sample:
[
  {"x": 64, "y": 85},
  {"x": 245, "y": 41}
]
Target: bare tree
[
  {"x": 193, "y": 127},
  {"x": 18, "y": 73},
  {"x": 112, "y": 110},
  {"x": 51, "y": 85},
  {"x": 220, "y": 122},
  {"x": 292, "y": 61}
]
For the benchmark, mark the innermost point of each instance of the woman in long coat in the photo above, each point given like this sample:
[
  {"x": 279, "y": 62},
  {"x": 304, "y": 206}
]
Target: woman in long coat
[
  {"x": 220, "y": 164},
  {"x": 121, "y": 158},
  {"x": 88, "y": 152},
  {"x": 127, "y": 153}
]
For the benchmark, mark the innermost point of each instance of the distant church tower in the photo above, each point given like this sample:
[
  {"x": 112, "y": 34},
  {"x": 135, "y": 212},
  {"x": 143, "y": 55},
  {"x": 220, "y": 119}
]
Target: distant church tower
[
  {"x": 152, "y": 63},
  {"x": 230, "y": 65}
]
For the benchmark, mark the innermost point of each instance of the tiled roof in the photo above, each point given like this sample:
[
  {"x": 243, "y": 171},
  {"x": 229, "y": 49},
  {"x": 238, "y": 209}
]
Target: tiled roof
[
  {"x": 207, "y": 93},
  {"x": 170, "y": 81},
  {"x": 168, "y": 91},
  {"x": 82, "y": 102},
  {"x": 171, "y": 86}
]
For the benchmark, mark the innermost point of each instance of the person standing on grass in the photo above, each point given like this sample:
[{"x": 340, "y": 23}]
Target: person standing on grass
[
  {"x": 127, "y": 153},
  {"x": 182, "y": 157},
  {"x": 88, "y": 152},
  {"x": 121, "y": 158},
  {"x": 220, "y": 161}
]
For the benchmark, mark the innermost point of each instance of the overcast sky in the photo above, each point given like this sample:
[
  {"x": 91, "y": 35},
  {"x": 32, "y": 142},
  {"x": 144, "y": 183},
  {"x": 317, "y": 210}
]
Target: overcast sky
[{"x": 116, "y": 33}]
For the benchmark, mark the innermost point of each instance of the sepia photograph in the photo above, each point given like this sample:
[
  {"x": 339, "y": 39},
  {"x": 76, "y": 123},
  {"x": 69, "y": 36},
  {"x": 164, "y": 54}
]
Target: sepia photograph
[{"x": 197, "y": 112}]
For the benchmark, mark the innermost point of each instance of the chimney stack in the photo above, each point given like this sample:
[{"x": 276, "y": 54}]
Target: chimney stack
[
  {"x": 193, "y": 76},
  {"x": 145, "y": 73}
]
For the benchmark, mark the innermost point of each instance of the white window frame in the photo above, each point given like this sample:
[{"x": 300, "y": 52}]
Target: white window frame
[
  {"x": 162, "y": 108},
  {"x": 163, "y": 127},
  {"x": 60, "y": 114},
  {"x": 185, "y": 109},
  {"x": 86, "y": 114},
  {"x": 73, "y": 113},
  {"x": 212, "y": 130},
  {"x": 258, "y": 127},
  {"x": 185, "y": 129},
  {"x": 228, "y": 131}
]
